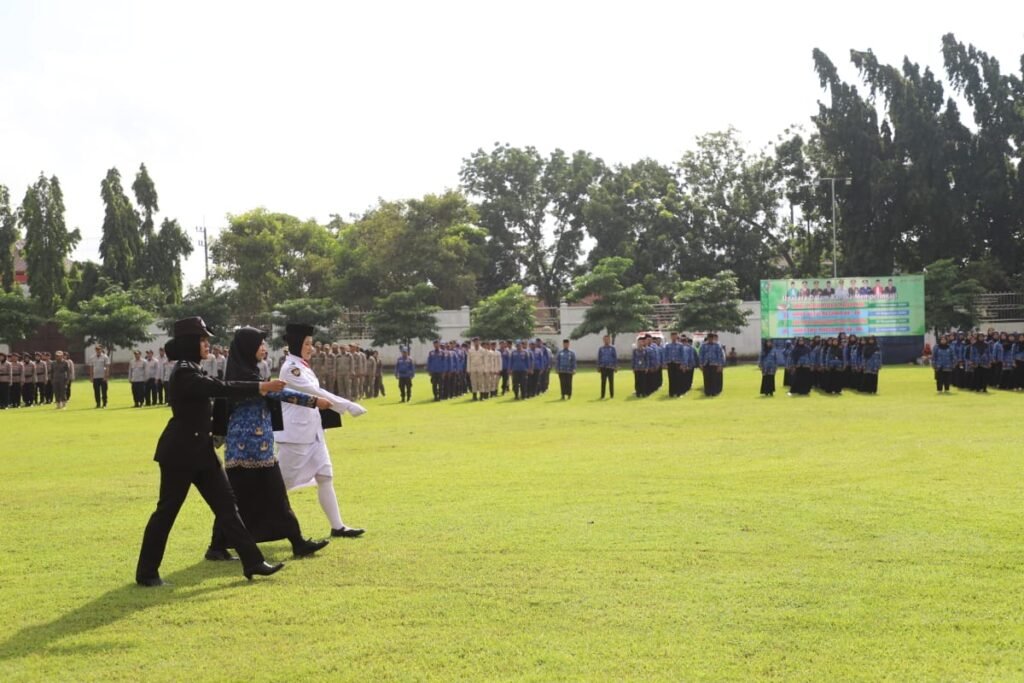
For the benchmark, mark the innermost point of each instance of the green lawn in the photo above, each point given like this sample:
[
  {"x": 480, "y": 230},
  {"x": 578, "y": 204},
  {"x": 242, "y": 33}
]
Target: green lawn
[{"x": 735, "y": 538}]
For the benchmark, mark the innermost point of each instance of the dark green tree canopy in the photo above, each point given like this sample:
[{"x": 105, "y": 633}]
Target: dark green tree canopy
[
  {"x": 403, "y": 316},
  {"x": 8, "y": 238},
  {"x": 710, "y": 304},
  {"x": 121, "y": 243},
  {"x": 215, "y": 305},
  {"x": 48, "y": 243},
  {"x": 506, "y": 314},
  {"x": 18, "y": 317},
  {"x": 112, "y": 319},
  {"x": 949, "y": 294},
  {"x": 615, "y": 308}
]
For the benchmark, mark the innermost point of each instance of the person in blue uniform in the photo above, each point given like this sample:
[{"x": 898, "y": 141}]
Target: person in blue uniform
[
  {"x": 565, "y": 365},
  {"x": 872, "y": 366},
  {"x": 1018, "y": 363},
  {"x": 687, "y": 363},
  {"x": 979, "y": 361},
  {"x": 607, "y": 365},
  {"x": 712, "y": 362},
  {"x": 673, "y": 353},
  {"x": 405, "y": 370},
  {"x": 654, "y": 358},
  {"x": 800, "y": 368},
  {"x": 640, "y": 367},
  {"x": 187, "y": 458},
  {"x": 521, "y": 365},
  {"x": 943, "y": 361},
  {"x": 768, "y": 363},
  {"x": 833, "y": 364},
  {"x": 505, "y": 349},
  {"x": 533, "y": 381},
  {"x": 437, "y": 364},
  {"x": 547, "y": 361},
  {"x": 252, "y": 468}
]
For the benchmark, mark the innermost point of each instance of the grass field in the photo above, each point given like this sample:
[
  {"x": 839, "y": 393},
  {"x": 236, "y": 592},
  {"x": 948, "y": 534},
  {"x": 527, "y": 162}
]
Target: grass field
[{"x": 735, "y": 538}]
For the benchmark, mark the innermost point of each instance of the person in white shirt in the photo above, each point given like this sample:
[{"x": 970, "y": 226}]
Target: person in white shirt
[
  {"x": 137, "y": 376},
  {"x": 163, "y": 374},
  {"x": 302, "y": 450},
  {"x": 99, "y": 373},
  {"x": 152, "y": 374}
]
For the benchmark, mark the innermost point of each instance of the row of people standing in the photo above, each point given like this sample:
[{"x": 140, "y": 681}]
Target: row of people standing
[
  {"x": 347, "y": 370},
  {"x": 677, "y": 358},
  {"x": 830, "y": 364},
  {"x": 977, "y": 361},
  {"x": 30, "y": 379}
]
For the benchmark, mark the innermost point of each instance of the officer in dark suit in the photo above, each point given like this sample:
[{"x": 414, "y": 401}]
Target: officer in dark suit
[{"x": 186, "y": 455}]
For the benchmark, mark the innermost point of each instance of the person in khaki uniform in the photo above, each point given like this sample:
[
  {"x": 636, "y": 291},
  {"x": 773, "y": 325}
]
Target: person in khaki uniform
[
  {"x": 343, "y": 369},
  {"x": 358, "y": 373},
  {"x": 330, "y": 369},
  {"x": 317, "y": 361},
  {"x": 476, "y": 366},
  {"x": 494, "y": 368}
]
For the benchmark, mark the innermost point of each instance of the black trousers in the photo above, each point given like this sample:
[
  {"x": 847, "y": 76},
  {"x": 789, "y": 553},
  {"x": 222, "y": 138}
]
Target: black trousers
[
  {"x": 943, "y": 379},
  {"x": 437, "y": 385},
  {"x": 138, "y": 393},
  {"x": 99, "y": 390},
  {"x": 150, "y": 392},
  {"x": 5, "y": 391},
  {"x": 686, "y": 381},
  {"x": 519, "y": 384},
  {"x": 801, "y": 381},
  {"x": 980, "y": 378},
  {"x": 767, "y": 384},
  {"x": 160, "y": 391},
  {"x": 533, "y": 383},
  {"x": 712, "y": 380},
  {"x": 675, "y": 379},
  {"x": 608, "y": 378},
  {"x": 870, "y": 383},
  {"x": 213, "y": 486},
  {"x": 504, "y": 382},
  {"x": 28, "y": 393},
  {"x": 49, "y": 391},
  {"x": 14, "y": 396},
  {"x": 405, "y": 388},
  {"x": 565, "y": 383}
]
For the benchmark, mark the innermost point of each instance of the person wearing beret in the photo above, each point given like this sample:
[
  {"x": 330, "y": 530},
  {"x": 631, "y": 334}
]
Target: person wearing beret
[
  {"x": 252, "y": 469},
  {"x": 186, "y": 456},
  {"x": 302, "y": 449}
]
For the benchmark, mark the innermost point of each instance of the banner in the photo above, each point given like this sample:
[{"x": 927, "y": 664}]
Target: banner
[{"x": 884, "y": 307}]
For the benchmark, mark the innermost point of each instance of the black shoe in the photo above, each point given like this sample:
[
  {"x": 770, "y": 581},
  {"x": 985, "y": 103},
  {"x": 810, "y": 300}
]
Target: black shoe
[
  {"x": 309, "y": 546},
  {"x": 262, "y": 569},
  {"x": 219, "y": 555},
  {"x": 151, "y": 582},
  {"x": 347, "y": 532}
]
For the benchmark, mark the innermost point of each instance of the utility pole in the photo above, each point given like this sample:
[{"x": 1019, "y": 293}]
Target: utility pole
[
  {"x": 206, "y": 249},
  {"x": 832, "y": 181}
]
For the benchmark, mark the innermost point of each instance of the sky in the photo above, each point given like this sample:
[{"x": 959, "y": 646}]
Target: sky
[{"x": 319, "y": 108}]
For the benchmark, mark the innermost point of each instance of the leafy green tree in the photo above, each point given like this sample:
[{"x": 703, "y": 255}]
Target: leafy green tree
[
  {"x": 48, "y": 243},
  {"x": 398, "y": 244},
  {"x": 504, "y": 314},
  {"x": 167, "y": 249},
  {"x": 949, "y": 297},
  {"x": 121, "y": 242},
  {"x": 18, "y": 318},
  {"x": 146, "y": 197},
  {"x": 274, "y": 257},
  {"x": 110, "y": 319},
  {"x": 8, "y": 237},
  {"x": 615, "y": 308},
  {"x": 532, "y": 208},
  {"x": 710, "y": 304},
  {"x": 213, "y": 304},
  {"x": 86, "y": 282},
  {"x": 321, "y": 313},
  {"x": 400, "y": 317}
]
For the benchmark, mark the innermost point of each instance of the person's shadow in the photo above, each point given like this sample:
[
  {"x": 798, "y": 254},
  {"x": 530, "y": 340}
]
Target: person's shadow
[{"x": 111, "y": 607}]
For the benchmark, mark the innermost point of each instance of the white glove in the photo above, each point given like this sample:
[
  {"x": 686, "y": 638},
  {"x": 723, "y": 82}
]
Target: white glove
[{"x": 354, "y": 409}]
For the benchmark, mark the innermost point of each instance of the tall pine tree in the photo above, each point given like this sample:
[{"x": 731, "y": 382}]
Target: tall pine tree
[
  {"x": 48, "y": 243},
  {"x": 121, "y": 244},
  {"x": 8, "y": 236}
]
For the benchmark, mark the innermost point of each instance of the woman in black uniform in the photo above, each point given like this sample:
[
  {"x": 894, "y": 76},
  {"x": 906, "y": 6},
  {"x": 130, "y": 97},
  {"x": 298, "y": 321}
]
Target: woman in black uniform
[{"x": 186, "y": 456}]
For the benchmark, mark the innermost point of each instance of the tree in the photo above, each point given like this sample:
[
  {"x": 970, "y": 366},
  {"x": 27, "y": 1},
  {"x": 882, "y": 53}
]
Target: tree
[
  {"x": 167, "y": 249},
  {"x": 274, "y": 257},
  {"x": 504, "y": 314},
  {"x": 18, "y": 318},
  {"x": 86, "y": 282},
  {"x": 213, "y": 304},
  {"x": 615, "y": 308},
  {"x": 321, "y": 313},
  {"x": 400, "y": 317},
  {"x": 110, "y": 319},
  {"x": 532, "y": 209},
  {"x": 8, "y": 238},
  {"x": 949, "y": 297},
  {"x": 710, "y": 304},
  {"x": 146, "y": 197},
  {"x": 121, "y": 243},
  {"x": 48, "y": 243}
]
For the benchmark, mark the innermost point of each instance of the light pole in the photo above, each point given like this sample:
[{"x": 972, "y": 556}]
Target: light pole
[
  {"x": 832, "y": 181},
  {"x": 206, "y": 250}
]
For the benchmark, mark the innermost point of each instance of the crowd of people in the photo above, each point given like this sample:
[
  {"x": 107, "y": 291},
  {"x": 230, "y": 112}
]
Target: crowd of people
[
  {"x": 35, "y": 379},
  {"x": 830, "y": 364},
  {"x": 977, "y": 361}
]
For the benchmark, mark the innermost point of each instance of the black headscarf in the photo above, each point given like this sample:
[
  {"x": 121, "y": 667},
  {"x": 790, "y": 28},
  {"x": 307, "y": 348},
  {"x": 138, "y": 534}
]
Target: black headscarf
[
  {"x": 242, "y": 355},
  {"x": 799, "y": 349},
  {"x": 870, "y": 347},
  {"x": 170, "y": 350},
  {"x": 187, "y": 347}
]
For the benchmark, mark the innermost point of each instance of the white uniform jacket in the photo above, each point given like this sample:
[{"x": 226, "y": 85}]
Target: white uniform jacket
[{"x": 302, "y": 424}]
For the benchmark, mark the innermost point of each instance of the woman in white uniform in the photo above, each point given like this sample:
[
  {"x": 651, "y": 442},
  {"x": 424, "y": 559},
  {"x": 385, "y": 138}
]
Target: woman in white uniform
[{"x": 302, "y": 451}]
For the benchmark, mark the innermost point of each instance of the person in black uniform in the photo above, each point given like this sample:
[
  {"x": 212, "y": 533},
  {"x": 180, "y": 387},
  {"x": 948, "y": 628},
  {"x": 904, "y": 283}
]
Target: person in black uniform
[{"x": 186, "y": 455}]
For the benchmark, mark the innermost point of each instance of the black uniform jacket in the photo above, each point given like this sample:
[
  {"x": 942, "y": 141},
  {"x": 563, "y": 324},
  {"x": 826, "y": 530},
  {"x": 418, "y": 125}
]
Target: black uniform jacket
[{"x": 187, "y": 440}]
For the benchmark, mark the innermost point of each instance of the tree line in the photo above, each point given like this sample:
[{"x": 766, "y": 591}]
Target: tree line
[{"x": 928, "y": 188}]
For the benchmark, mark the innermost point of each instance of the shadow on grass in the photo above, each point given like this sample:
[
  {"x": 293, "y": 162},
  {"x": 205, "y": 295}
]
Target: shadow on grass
[{"x": 109, "y": 608}]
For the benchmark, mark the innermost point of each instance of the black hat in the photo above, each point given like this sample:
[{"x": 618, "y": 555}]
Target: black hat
[
  {"x": 298, "y": 330},
  {"x": 193, "y": 325}
]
